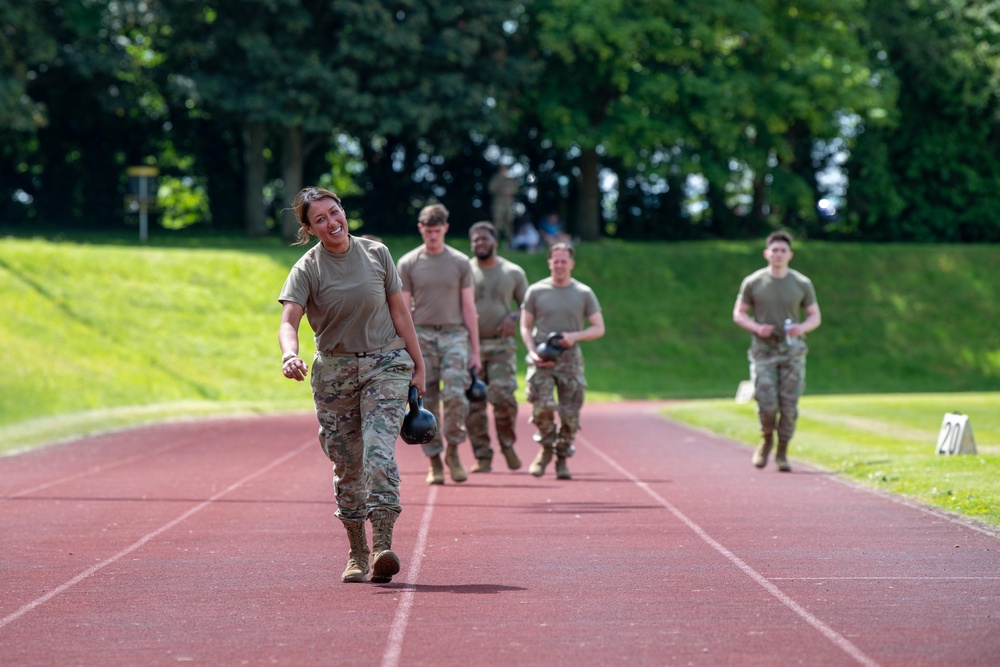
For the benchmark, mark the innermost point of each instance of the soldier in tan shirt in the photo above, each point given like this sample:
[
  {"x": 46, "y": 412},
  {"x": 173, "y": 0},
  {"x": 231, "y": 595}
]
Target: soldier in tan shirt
[
  {"x": 778, "y": 296},
  {"x": 500, "y": 288},
  {"x": 367, "y": 356},
  {"x": 437, "y": 281},
  {"x": 558, "y": 304}
]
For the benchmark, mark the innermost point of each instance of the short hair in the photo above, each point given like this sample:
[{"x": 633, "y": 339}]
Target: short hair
[
  {"x": 432, "y": 215},
  {"x": 483, "y": 226},
  {"x": 300, "y": 206},
  {"x": 568, "y": 247},
  {"x": 778, "y": 236}
]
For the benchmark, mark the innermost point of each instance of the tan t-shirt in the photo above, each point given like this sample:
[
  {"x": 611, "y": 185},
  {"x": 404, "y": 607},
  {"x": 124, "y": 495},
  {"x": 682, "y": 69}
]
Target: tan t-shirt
[
  {"x": 559, "y": 308},
  {"x": 344, "y": 296},
  {"x": 773, "y": 300},
  {"x": 436, "y": 283},
  {"x": 498, "y": 288}
]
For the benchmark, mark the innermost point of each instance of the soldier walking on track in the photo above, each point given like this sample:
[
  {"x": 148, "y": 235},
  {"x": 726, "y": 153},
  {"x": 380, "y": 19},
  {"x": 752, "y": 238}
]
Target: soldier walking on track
[
  {"x": 778, "y": 296},
  {"x": 500, "y": 288},
  {"x": 437, "y": 279},
  {"x": 367, "y": 357},
  {"x": 561, "y": 305}
]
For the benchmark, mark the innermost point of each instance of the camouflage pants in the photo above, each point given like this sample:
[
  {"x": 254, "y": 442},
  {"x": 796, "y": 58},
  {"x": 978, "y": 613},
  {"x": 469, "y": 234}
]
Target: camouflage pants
[
  {"x": 500, "y": 374},
  {"x": 360, "y": 403},
  {"x": 566, "y": 380},
  {"x": 503, "y": 218},
  {"x": 778, "y": 374},
  {"x": 446, "y": 356}
]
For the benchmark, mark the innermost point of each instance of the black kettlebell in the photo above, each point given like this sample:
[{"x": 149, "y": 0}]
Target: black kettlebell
[
  {"x": 419, "y": 425},
  {"x": 476, "y": 392},
  {"x": 550, "y": 348}
]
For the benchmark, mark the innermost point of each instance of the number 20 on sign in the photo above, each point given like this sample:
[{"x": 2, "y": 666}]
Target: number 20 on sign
[{"x": 956, "y": 435}]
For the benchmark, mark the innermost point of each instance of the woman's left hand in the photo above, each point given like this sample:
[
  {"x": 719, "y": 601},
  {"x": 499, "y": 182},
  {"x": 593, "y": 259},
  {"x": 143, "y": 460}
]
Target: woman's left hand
[{"x": 419, "y": 380}]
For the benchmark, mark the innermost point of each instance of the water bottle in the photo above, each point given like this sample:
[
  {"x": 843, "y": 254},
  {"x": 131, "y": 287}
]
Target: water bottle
[{"x": 788, "y": 325}]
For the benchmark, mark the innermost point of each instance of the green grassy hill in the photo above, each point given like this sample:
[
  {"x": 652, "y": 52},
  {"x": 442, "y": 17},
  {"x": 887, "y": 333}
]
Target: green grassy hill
[{"x": 101, "y": 331}]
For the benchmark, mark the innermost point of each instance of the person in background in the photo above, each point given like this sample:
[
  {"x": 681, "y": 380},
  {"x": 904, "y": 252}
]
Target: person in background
[
  {"x": 503, "y": 189},
  {"x": 527, "y": 237},
  {"x": 437, "y": 281},
  {"x": 560, "y": 304},
  {"x": 778, "y": 296},
  {"x": 500, "y": 287},
  {"x": 551, "y": 230},
  {"x": 367, "y": 357}
]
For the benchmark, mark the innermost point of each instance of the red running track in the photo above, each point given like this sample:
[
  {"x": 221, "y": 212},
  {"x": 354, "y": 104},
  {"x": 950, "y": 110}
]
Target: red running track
[{"x": 215, "y": 543}]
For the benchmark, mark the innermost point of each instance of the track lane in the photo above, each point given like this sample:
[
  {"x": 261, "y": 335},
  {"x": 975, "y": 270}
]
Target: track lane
[{"x": 511, "y": 569}]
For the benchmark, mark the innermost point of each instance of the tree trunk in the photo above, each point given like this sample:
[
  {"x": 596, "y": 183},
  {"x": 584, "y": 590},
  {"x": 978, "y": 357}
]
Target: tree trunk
[
  {"x": 589, "y": 198},
  {"x": 256, "y": 170},
  {"x": 761, "y": 206},
  {"x": 293, "y": 158}
]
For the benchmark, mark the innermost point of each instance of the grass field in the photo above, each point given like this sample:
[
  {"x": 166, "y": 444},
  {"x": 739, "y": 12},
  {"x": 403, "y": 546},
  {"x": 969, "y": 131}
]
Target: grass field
[
  {"x": 103, "y": 333},
  {"x": 884, "y": 441}
]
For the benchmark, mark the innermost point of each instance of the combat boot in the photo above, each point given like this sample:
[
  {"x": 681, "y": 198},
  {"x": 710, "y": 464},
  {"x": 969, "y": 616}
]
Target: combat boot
[
  {"x": 562, "y": 469},
  {"x": 543, "y": 459},
  {"x": 482, "y": 465},
  {"x": 513, "y": 460},
  {"x": 385, "y": 562},
  {"x": 357, "y": 559},
  {"x": 781, "y": 457},
  {"x": 763, "y": 451},
  {"x": 766, "y": 440},
  {"x": 454, "y": 464},
  {"x": 435, "y": 475}
]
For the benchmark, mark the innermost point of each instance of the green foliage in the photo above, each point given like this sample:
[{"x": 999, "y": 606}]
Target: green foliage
[
  {"x": 933, "y": 175},
  {"x": 699, "y": 89},
  {"x": 94, "y": 111},
  {"x": 182, "y": 203},
  {"x": 27, "y": 42},
  {"x": 306, "y": 72},
  {"x": 751, "y": 98},
  {"x": 886, "y": 442},
  {"x": 344, "y": 169}
]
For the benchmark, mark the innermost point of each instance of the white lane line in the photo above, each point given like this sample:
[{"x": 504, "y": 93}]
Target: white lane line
[
  {"x": 394, "y": 647},
  {"x": 34, "y": 604},
  {"x": 839, "y": 640}
]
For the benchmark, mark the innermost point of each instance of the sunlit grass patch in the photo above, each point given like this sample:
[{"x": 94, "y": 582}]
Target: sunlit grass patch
[{"x": 884, "y": 441}]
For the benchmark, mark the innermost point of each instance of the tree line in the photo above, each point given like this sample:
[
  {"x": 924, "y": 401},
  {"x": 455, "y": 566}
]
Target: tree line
[{"x": 642, "y": 119}]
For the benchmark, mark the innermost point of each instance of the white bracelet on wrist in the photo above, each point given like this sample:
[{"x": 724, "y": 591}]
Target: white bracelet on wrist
[{"x": 287, "y": 356}]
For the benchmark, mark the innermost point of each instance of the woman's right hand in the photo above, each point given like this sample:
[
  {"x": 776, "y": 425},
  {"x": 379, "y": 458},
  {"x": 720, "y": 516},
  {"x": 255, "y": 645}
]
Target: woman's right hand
[{"x": 295, "y": 369}]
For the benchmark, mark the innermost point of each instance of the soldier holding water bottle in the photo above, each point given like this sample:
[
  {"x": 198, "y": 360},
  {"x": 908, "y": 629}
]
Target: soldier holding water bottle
[{"x": 778, "y": 297}]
